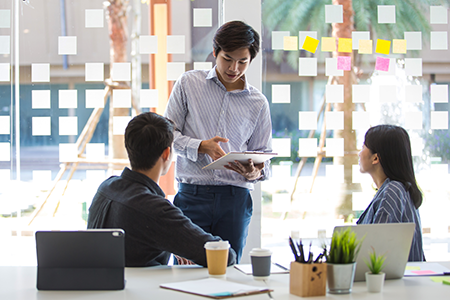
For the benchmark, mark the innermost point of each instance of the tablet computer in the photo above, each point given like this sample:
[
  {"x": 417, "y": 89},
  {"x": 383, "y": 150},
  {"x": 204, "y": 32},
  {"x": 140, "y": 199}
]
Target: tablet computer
[{"x": 243, "y": 157}]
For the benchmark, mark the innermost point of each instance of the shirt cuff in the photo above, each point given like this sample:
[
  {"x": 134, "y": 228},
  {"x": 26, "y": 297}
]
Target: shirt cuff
[{"x": 192, "y": 149}]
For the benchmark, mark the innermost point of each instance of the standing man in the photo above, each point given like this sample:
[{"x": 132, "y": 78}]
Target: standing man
[{"x": 216, "y": 112}]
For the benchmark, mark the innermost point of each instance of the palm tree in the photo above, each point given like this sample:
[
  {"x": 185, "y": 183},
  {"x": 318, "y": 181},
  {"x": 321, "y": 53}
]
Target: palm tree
[{"x": 361, "y": 15}]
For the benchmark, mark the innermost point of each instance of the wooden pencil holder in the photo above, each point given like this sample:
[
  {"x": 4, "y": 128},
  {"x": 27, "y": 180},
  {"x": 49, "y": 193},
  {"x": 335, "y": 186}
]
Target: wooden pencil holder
[{"x": 306, "y": 280}]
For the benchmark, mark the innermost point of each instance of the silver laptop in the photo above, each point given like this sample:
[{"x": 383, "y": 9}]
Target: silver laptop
[{"x": 393, "y": 240}]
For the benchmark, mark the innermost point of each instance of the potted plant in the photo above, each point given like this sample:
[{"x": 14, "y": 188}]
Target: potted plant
[
  {"x": 341, "y": 260},
  {"x": 375, "y": 278}
]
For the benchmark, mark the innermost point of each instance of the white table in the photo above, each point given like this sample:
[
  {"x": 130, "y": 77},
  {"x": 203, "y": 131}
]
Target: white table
[{"x": 143, "y": 283}]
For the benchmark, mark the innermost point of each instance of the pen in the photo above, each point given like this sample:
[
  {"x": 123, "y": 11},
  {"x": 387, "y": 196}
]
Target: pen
[
  {"x": 292, "y": 245},
  {"x": 302, "y": 253}
]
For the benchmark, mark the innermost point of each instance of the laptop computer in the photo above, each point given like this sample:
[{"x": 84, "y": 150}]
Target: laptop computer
[
  {"x": 92, "y": 259},
  {"x": 392, "y": 239}
]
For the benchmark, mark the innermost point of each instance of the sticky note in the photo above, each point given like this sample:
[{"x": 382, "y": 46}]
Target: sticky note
[
  {"x": 335, "y": 173},
  {"x": 360, "y": 120},
  {"x": 207, "y": 65},
  {"x": 383, "y": 47},
  {"x": 440, "y": 279},
  {"x": 4, "y": 44},
  {"x": 281, "y": 93},
  {"x": 5, "y": 18},
  {"x": 413, "y": 120},
  {"x": 4, "y": 72},
  {"x": 121, "y": 98},
  {"x": 392, "y": 66},
  {"x": 307, "y": 147},
  {"x": 365, "y": 47},
  {"x": 439, "y": 120},
  {"x": 94, "y": 98},
  {"x": 334, "y": 14},
  {"x": 121, "y": 71},
  {"x": 334, "y": 120},
  {"x": 93, "y": 18},
  {"x": 307, "y": 66},
  {"x": 148, "y": 44},
  {"x": 438, "y": 15},
  {"x": 310, "y": 44},
  {"x": 290, "y": 43},
  {"x": 382, "y": 64},
  {"x": 95, "y": 151},
  {"x": 307, "y": 120},
  {"x": 413, "y": 93},
  {"x": 40, "y": 99},
  {"x": 5, "y": 125},
  {"x": 175, "y": 44},
  {"x": 387, "y": 93},
  {"x": 5, "y": 151},
  {"x": 281, "y": 171},
  {"x": 334, "y": 147},
  {"x": 302, "y": 37},
  {"x": 149, "y": 98},
  {"x": 416, "y": 146},
  {"x": 68, "y": 152},
  {"x": 358, "y": 177},
  {"x": 40, "y": 72},
  {"x": 94, "y": 71},
  {"x": 282, "y": 146},
  {"x": 410, "y": 268},
  {"x": 67, "y": 45},
  {"x": 439, "y": 93},
  {"x": 328, "y": 44},
  {"x": 345, "y": 45},
  {"x": 42, "y": 176},
  {"x": 175, "y": 70},
  {"x": 398, "y": 46},
  {"x": 386, "y": 14},
  {"x": 357, "y": 36},
  {"x": 413, "y": 66},
  {"x": 439, "y": 40},
  {"x": 119, "y": 125},
  {"x": 67, "y": 99},
  {"x": 68, "y": 125},
  {"x": 331, "y": 67},
  {"x": 413, "y": 40},
  {"x": 361, "y": 93},
  {"x": 278, "y": 39},
  {"x": 344, "y": 63},
  {"x": 202, "y": 17},
  {"x": 281, "y": 202},
  {"x": 40, "y": 126},
  {"x": 334, "y": 93},
  {"x": 424, "y": 272},
  {"x": 360, "y": 200}
]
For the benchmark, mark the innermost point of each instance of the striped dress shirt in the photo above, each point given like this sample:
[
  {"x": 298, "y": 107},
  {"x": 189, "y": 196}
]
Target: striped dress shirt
[
  {"x": 393, "y": 204},
  {"x": 202, "y": 108}
]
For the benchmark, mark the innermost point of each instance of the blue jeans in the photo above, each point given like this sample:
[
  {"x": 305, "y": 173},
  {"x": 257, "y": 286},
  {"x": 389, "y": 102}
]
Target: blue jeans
[{"x": 224, "y": 211}]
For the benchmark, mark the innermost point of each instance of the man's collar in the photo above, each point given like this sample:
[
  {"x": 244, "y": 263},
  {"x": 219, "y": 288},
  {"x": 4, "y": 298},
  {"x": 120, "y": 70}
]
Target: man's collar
[{"x": 213, "y": 74}]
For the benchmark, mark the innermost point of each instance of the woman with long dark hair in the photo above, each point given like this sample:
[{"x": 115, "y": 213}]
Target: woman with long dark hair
[{"x": 386, "y": 156}]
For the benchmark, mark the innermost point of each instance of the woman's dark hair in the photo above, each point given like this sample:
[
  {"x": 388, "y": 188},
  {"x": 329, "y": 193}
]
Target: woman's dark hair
[
  {"x": 146, "y": 137},
  {"x": 393, "y": 147},
  {"x": 236, "y": 35}
]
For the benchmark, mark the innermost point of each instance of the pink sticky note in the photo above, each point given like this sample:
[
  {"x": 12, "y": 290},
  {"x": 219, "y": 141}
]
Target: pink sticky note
[
  {"x": 382, "y": 64},
  {"x": 424, "y": 272},
  {"x": 344, "y": 63}
]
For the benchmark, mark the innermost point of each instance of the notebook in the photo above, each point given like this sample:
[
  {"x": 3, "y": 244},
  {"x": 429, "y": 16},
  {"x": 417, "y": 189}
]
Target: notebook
[
  {"x": 393, "y": 240},
  {"x": 92, "y": 259},
  {"x": 243, "y": 157}
]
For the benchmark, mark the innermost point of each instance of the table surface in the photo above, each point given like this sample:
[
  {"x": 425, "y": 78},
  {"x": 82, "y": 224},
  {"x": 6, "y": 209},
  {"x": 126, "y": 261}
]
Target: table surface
[{"x": 143, "y": 283}]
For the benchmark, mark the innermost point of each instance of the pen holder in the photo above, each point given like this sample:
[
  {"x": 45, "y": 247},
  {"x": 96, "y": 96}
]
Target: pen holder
[{"x": 306, "y": 280}]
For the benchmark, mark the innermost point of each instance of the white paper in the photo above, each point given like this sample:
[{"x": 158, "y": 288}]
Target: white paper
[
  {"x": 121, "y": 71},
  {"x": 387, "y": 93},
  {"x": 5, "y": 18},
  {"x": 5, "y": 151},
  {"x": 68, "y": 125},
  {"x": 439, "y": 93},
  {"x": 40, "y": 72},
  {"x": 331, "y": 67},
  {"x": 307, "y": 120},
  {"x": 149, "y": 98},
  {"x": 93, "y": 18},
  {"x": 307, "y": 66},
  {"x": 42, "y": 176},
  {"x": 148, "y": 44},
  {"x": 361, "y": 200},
  {"x": 359, "y": 35},
  {"x": 413, "y": 120},
  {"x": 302, "y": 36},
  {"x": 334, "y": 120},
  {"x": 439, "y": 120},
  {"x": 120, "y": 124},
  {"x": 334, "y": 147},
  {"x": 335, "y": 173},
  {"x": 4, "y": 72},
  {"x": 94, "y": 72},
  {"x": 67, "y": 45},
  {"x": 175, "y": 70},
  {"x": 361, "y": 93},
  {"x": 40, "y": 99},
  {"x": 413, "y": 40},
  {"x": 121, "y": 98},
  {"x": 360, "y": 120},
  {"x": 413, "y": 93},
  {"x": 95, "y": 151},
  {"x": 281, "y": 93},
  {"x": 282, "y": 146},
  {"x": 425, "y": 266},
  {"x": 358, "y": 177},
  {"x": 94, "y": 98},
  {"x": 413, "y": 66},
  {"x": 207, "y": 65},
  {"x": 202, "y": 17},
  {"x": 281, "y": 202},
  {"x": 386, "y": 14},
  {"x": 278, "y": 39},
  {"x": 334, "y": 93},
  {"x": 68, "y": 152},
  {"x": 175, "y": 44},
  {"x": 41, "y": 126},
  {"x": 334, "y": 14},
  {"x": 4, "y": 44},
  {"x": 439, "y": 40},
  {"x": 438, "y": 15},
  {"x": 68, "y": 98},
  {"x": 5, "y": 125},
  {"x": 307, "y": 147}
]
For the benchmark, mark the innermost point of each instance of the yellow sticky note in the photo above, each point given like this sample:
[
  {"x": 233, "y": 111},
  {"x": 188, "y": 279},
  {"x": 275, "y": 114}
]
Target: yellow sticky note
[
  {"x": 383, "y": 46},
  {"x": 399, "y": 46},
  {"x": 365, "y": 47},
  {"x": 290, "y": 43},
  {"x": 439, "y": 279},
  {"x": 328, "y": 44},
  {"x": 345, "y": 45},
  {"x": 412, "y": 268},
  {"x": 310, "y": 44}
]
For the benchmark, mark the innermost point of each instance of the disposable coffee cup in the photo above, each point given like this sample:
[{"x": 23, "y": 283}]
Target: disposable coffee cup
[
  {"x": 217, "y": 258},
  {"x": 261, "y": 261}
]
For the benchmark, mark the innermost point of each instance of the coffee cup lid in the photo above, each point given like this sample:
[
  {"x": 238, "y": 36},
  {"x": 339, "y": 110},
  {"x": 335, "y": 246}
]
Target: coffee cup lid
[
  {"x": 260, "y": 252},
  {"x": 217, "y": 245}
]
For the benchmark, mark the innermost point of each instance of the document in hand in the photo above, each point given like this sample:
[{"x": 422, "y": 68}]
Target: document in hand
[
  {"x": 215, "y": 288},
  {"x": 243, "y": 157}
]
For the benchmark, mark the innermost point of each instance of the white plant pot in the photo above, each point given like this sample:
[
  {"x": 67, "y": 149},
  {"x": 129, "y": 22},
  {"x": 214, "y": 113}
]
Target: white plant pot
[{"x": 375, "y": 282}]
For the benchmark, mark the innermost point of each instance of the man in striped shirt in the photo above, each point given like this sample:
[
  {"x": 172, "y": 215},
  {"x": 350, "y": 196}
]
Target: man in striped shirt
[{"x": 216, "y": 112}]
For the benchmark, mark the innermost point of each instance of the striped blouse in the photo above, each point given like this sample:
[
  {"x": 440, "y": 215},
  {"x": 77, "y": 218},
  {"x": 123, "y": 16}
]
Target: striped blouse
[{"x": 393, "y": 204}]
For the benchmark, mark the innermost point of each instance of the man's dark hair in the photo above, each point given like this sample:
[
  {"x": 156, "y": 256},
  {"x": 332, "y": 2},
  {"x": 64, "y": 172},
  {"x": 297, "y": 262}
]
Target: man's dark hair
[
  {"x": 236, "y": 35},
  {"x": 146, "y": 137}
]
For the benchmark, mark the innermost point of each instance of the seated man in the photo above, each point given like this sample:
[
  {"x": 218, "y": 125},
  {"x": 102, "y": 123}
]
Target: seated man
[{"x": 133, "y": 201}]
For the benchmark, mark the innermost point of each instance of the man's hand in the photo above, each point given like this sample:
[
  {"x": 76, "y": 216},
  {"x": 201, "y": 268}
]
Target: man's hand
[
  {"x": 249, "y": 171},
  {"x": 212, "y": 147},
  {"x": 183, "y": 261}
]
